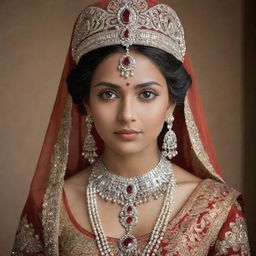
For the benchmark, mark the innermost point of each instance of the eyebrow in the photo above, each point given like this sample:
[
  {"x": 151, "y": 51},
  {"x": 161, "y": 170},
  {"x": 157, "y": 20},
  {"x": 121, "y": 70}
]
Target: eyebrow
[{"x": 138, "y": 86}]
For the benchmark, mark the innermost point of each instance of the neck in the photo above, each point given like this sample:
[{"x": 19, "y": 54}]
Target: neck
[{"x": 131, "y": 165}]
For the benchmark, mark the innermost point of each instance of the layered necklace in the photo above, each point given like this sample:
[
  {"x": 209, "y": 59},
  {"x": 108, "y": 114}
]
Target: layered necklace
[{"x": 129, "y": 193}]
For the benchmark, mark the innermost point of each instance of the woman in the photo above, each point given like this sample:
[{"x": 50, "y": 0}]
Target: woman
[{"x": 139, "y": 176}]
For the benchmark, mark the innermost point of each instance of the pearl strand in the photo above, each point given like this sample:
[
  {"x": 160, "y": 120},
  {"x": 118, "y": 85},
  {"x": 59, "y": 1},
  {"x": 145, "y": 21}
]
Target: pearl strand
[
  {"x": 158, "y": 231},
  {"x": 95, "y": 222},
  {"x": 161, "y": 224}
]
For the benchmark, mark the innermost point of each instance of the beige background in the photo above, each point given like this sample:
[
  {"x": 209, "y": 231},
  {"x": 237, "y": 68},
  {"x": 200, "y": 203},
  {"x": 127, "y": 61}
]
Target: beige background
[{"x": 34, "y": 41}]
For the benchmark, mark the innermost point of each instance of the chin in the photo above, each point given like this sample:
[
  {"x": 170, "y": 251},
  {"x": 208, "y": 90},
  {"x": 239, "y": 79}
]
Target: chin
[
  {"x": 126, "y": 151},
  {"x": 130, "y": 148}
]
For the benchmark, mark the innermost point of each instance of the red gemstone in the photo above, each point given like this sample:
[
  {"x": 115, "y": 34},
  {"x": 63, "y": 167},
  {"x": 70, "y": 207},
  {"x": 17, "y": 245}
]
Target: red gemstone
[
  {"x": 126, "y": 61},
  {"x": 126, "y": 16},
  {"x": 129, "y": 189},
  {"x": 129, "y": 220},
  {"x": 126, "y": 33},
  {"x": 129, "y": 209},
  {"x": 128, "y": 242}
]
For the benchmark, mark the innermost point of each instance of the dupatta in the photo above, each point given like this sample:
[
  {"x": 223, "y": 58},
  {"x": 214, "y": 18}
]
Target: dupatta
[{"x": 61, "y": 157}]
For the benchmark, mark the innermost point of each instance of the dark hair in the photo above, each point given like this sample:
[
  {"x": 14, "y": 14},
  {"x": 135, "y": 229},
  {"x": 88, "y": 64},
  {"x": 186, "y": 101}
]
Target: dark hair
[{"x": 79, "y": 80}]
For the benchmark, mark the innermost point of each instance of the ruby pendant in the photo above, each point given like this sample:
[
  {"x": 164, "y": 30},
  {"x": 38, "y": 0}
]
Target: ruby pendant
[
  {"x": 126, "y": 62},
  {"x": 127, "y": 243}
]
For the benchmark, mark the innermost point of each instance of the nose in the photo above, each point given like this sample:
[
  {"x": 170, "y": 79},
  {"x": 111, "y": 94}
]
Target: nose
[{"x": 126, "y": 112}]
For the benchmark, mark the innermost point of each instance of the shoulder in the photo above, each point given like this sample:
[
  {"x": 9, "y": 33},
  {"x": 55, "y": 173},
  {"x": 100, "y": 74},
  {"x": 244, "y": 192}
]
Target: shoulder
[
  {"x": 208, "y": 188},
  {"x": 77, "y": 183},
  {"x": 218, "y": 191},
  {"x": 206, "y": 196},
  {"x": 218, "y": 196},
  {"x": 80, "y": 178},
  {"x": 215, "y": 201},
  {"x": 186, "y": 182}
]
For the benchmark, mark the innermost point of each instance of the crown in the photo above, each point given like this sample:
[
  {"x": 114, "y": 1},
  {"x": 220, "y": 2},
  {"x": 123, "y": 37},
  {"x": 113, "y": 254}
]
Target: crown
[{"x": 128, "y": 23}]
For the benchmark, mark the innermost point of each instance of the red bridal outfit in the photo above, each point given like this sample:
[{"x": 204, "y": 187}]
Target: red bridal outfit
[{"x": 211, "y": 222}]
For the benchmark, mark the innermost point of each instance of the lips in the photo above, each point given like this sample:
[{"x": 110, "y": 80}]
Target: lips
[
  {"x": 125, "y": 131},
  {"x": 128, "y": 134}
]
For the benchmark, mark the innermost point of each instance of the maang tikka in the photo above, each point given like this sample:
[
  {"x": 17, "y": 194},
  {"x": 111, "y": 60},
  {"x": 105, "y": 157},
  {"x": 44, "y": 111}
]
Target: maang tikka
[
  {"x": 89, "y": 147},
  {"x": 170, "y": 140},
  {"x": 128, "y": 23}
]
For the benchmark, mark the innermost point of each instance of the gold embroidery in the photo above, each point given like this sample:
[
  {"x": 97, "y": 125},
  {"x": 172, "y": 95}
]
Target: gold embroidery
[
  {"x": 197, "y": 228},
  {"x": 73, "y": 242},
  {"x": 236, "y": 239},
  {"x": 192, "y": 232},
  {"x": 52, "y": 198},
  {"x": 26, "y": 240},
  {"x": 196, "y": 142},
  {"x": 238, "y": 206}
]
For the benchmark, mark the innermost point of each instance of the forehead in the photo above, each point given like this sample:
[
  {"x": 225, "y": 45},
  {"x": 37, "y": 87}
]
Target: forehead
[{"x": 145, "y": 70}]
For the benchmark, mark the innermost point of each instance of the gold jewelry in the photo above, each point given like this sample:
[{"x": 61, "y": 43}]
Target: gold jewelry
[{"x": 128, "y": 23}]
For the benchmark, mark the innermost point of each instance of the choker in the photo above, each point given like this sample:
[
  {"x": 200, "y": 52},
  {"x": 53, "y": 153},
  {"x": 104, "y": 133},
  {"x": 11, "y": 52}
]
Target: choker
[
  {"x": 139, "y": 189},
  {"x": 128, "y": 193}
]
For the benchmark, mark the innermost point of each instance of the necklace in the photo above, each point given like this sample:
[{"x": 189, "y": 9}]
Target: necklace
[
  {"x": 128, "y": 193},
  {"x": 139, "y": 189}
]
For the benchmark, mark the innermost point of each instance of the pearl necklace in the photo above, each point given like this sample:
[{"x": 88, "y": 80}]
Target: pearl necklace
[{"x": 129, "y": 192}]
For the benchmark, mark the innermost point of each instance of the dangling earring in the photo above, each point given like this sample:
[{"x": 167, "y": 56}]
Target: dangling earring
[
  {"x": 170, "y": 140},
  {"x": 89, "y": 147}
]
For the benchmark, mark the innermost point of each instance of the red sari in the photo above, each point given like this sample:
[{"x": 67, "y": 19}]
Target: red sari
[{"x": 210, "y": 223}]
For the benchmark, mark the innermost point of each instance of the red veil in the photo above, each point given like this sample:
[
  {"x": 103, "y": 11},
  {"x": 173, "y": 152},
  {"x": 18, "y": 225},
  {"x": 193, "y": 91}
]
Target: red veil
[{"x": 61, "y": 156}]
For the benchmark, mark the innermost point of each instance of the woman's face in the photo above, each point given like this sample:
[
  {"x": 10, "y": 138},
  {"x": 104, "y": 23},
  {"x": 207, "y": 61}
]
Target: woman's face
[{"x": 129, "y": 113}]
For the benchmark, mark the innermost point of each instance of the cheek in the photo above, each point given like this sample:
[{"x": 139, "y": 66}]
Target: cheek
[
  {"x": 99, "y": 110},
  {"x": 102, "y": 123},
  {"x": 102, "y": 115},
  {"x": 154, "y": 123},
  {"x": 154, "y": 113}
]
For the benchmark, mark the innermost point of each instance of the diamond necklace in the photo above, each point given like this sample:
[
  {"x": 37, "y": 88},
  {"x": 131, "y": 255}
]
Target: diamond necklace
[{"x": 129, "y": 192}]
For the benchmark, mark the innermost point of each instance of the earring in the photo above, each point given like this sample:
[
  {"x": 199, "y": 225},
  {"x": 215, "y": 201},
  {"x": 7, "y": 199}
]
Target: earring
[
  {"x": 89, "y": 147},
  {"x": 170, "y": 140}
]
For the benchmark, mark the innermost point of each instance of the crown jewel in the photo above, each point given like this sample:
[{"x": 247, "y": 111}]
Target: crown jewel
[{"x": 128, "y": 23}]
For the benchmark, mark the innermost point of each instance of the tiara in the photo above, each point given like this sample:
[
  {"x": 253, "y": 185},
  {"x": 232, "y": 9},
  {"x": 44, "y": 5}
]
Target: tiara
[{"x": 128, "y": 23}]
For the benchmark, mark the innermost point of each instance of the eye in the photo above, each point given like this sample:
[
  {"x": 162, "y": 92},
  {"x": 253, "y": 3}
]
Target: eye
[
  {"x": 107, "y": 95},
  {"x": 148, "y": 95}
]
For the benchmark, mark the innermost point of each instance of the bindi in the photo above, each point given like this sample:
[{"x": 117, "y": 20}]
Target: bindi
[{"x": 127, "y": 84}]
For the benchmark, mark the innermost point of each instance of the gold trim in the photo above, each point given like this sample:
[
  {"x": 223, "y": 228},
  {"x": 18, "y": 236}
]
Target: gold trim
[
  {"x": 52, "y": 198},
  {"x": 196, "y": 142},
  {"x": 218, "y": 223},
  {"x": 26, "y": 241},
  {"x": 235, "y": 239},
  {"x": 209, "y": 193}
]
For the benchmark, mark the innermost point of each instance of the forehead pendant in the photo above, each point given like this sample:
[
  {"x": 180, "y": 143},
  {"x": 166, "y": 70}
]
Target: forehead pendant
[
  {"x": 127, "y": 17},
  {"x": 127, "y": 23}
]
